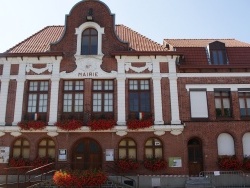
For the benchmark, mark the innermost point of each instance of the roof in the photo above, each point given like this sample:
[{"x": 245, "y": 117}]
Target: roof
[
  {"x": 40, "y": 41},
  {"x": 204, "y": 42}
]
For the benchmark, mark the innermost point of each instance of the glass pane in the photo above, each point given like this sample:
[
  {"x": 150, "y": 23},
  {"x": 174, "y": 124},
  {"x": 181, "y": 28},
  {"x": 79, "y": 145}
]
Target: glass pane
[
  {"x": 33, "y": 86},
  {"x": 131, "y": 143},
  {"x": 26, "y": 153},
  {"x": 79, "y": 85},
  {"x": 145, "y": 102},
  {"x": 217, "y": 103},
  {"x": 220, "y": 57},
  {"x": 215, "y": 57},
  {"x": 44, "y": 86},
  {"x": 42, "y": 152},
  {"x": 122, "y": 153},
  {"x": 132, "y": 153},
  {"x": 225, "y": 94},
  {"x": 226, "y": 103},
  {"x": 18, "y": 142},
  {"x": 43, "y": 143},
  {"x": 16, "y": 152},
  {"x": 108, "y": 85},
  {"x": 242, "y": 103},
  {"x": 133, "y": 85},
  {"x": 134, "y": 102},
  {"x": 68, "y": 85},
  {"x": 26, "y": 143},
  {"x": 122, "y": 143},
  {"x": 149, "y": 142},
  {"x": 158, "y": 153},
  {"x": 144, "y": 85},
  {"x": 52, "y": 152},
  {"x": 97, "y": 85},
  {"x": 148, "y": 153},
  {"x": 248, "y": 102}
]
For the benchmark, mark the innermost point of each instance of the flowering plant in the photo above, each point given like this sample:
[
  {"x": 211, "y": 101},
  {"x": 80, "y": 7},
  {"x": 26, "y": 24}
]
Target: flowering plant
[
  {"x": 41, "y": 161},
  {"x": 155, "y": 164},
  {"x": 18, "y": 162},
  {"x": 246, "y": 163},
  {"x": 79, "y": 179},
  {"x": 69, "y": 125},
  {"x": 139, "y": 124},
  {"x": 229, "y": 163},
  {"x": 36, "y": 125},
  {"x": 101, "y": 124},
  {"x": 127, "y": 164}
]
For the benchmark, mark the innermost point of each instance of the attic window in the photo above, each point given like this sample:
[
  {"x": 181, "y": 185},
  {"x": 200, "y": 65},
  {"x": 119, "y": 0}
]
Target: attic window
[
  {"x": 218, "y": 54},
  {"x": 89, "y": 42}
]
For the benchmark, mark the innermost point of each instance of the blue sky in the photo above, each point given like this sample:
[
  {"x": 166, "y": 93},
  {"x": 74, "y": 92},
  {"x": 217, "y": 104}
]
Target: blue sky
[{"x": 156, "y": 19}]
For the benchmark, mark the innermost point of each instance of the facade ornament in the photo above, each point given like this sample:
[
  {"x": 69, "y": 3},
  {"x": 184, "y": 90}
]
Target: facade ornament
[
  {"x": 148, "y": 66},
  {"x": 159, "y": 133},
  {"x": 48, "y": 67},
  {"x": 121, "y": 133},
  {"x": 176, "y": 132},
  {"x": 88, "y": 67},
  {"x": 15, "y": 133},
  {"x": 2, "y": 133}
]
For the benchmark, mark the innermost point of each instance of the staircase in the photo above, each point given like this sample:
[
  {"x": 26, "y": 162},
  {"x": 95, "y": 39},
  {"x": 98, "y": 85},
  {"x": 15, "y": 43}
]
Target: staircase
[{"x": 198, "y": 182}]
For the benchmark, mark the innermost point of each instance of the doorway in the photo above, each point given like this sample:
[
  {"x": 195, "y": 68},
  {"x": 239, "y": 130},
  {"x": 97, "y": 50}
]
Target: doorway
[
  {"x": 87, "y": 154},
  {"x": 195, "y": 156}
]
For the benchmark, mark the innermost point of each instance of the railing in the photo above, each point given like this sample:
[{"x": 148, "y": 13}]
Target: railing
[
  {"x": 25, "y": 173},
  {"x": 117, "y": 173},
  {"x": 225, "y": 178}
]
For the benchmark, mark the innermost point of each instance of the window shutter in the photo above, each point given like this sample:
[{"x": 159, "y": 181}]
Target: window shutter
[{"x": 198, "y": 101}]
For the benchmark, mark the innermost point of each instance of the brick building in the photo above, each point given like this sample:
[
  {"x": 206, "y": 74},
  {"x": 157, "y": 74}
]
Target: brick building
[{"x": 194, "y": 94}]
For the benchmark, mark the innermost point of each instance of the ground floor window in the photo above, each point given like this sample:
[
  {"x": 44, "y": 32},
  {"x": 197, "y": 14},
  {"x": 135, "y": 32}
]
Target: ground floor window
[{"x": 21, "y": 148}]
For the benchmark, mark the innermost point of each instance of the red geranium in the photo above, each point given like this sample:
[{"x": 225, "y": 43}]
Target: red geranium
[
  {"x": 246, "y": 163},
  {"x": 127, "y": 164},
  {"x": 101, "y": 124},
  {"x": 18, "y": 162},
  {"x": 36, "y": 125},
  {"x": 229, "y": 163},
  {"x": 155, "y": 164},
  {"x": 69, "y": 125},
  {"x": 139, "y": 124}
]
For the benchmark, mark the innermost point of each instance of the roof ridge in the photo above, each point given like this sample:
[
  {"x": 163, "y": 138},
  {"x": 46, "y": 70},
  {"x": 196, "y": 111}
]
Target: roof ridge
[
  {"x": 143, "y": 36},
  {"x": 203, "y": 39},
  {"x": 27, "y": 39}
]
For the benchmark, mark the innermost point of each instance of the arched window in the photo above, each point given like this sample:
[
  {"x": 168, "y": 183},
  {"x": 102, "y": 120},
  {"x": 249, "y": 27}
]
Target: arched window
[
  {"x": 46, "y": 148},
  {"x": 153, "y": 148},
  {"x": 21, "y": 148},
  {"x": 89, "y": 42},
  {"x": 127, "y": 149},
  {"x": 225, "y": 144},
  {"x": 246, "y": 144}
]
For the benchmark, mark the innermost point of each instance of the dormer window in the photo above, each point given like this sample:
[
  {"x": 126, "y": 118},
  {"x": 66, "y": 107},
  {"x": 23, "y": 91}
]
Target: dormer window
[
  {"x": 89, "y": 39},
  {"x": 89, "y": 42},
  {"x": 218, "y": 54}
]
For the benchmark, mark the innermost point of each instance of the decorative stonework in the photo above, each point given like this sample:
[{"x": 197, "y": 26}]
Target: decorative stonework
[
  {"x": 148, "y": 66},
  {"x": 15, "y": 134},
  {"x": 88, "y": 67},
  {"x": 2, "y": 133},
  {"x": 30, "y": 67},
  {"x": 121, "y": 133}
]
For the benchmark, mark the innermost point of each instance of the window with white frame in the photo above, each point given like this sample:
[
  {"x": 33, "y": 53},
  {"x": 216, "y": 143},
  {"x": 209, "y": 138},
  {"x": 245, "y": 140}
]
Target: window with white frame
[
  {"x": 244, "y": 102},
  {"x": 225, "y": 143},
  {"x": 198, "y": 102},
  {"x": 246, "y": 144},
  {"x": 89, "y": 44},
  {"x": 222, "y": 103},
  {"x": 103, "y": 96}
]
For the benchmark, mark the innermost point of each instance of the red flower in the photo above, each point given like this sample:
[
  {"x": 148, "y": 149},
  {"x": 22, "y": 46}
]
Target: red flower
[
  {"x": 101, "y": 124},
  {"x": 229, "y": 163},
  {"x": 139, "y": 124},
  {"x": 155, "y": 164},
  {"x": 18, "y": 162},
  {"x": 127, "y": 164},
  {"x": 69, "y": 125},
  {"x": 41, "y": 161},
  {"x": 246, "y": 164},
  {"x": 79, "y": 179},
  {"x": 27, "y": 125}
]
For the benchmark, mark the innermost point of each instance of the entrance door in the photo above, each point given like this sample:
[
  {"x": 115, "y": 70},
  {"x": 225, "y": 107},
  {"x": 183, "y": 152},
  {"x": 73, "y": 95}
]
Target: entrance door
[
  {"x": 87, "y": 154},
  {"x": 195, "y": 157}
]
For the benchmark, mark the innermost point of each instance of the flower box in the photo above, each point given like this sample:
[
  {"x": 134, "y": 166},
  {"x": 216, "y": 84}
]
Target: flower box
[
  {"x": 78, "y": 178},
  {"x": 229, "y": 163},
  {"x": 35, "y": 125},
  {"x": 139, "y": 124},
  {"x": 18, "y": 162},
  {"x": 69, "y": 125},
  {"x": 126, "y": 165},
  {"x": 101, "y": 124},
  {"x": 155, "y": 164}
]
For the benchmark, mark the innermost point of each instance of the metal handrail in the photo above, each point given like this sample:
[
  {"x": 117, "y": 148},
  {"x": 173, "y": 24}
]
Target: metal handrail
[{"x": 118, "y": 173}]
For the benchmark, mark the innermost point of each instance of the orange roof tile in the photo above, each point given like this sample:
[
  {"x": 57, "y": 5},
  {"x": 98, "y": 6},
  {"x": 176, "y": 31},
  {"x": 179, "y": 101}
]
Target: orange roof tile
[
  {"x": 203, "y": 42},
  {"x": 40, "y": 41}
]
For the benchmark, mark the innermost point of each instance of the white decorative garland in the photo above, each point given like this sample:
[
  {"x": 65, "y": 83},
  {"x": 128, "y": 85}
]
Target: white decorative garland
[
  {"x": 39, "y": 71},
  {"x": 148, "y": 66}
]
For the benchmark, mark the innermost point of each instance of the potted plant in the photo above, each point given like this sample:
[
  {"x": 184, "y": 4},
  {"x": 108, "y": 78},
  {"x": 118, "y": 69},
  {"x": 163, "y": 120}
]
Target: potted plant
[
  {"x": 155, "y": 164},
  {"x": 18, "y": 162},
  {"x": 229, "y": 163},
  {"x": 69, "y": 124},
  {"x": 126, "y": 165},
  {"x": 101, "y": 124},
  {"x": 246, "y": 163},
  {"x": 139, "y": 124}
]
